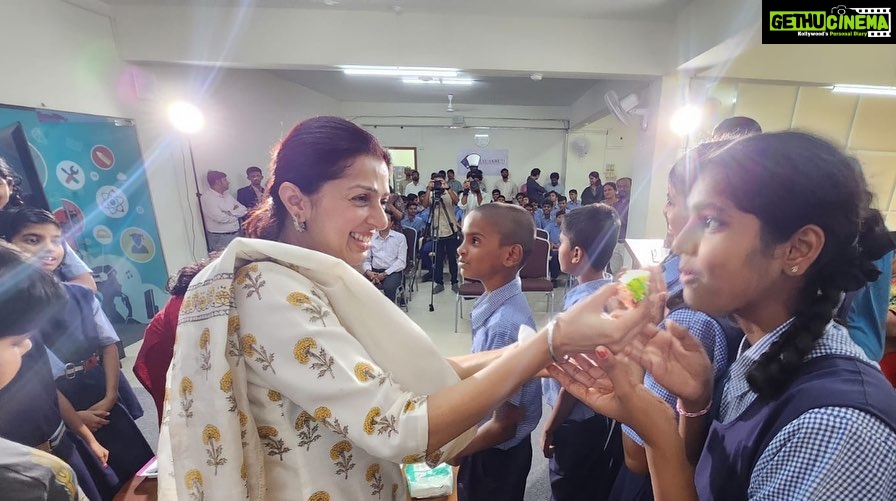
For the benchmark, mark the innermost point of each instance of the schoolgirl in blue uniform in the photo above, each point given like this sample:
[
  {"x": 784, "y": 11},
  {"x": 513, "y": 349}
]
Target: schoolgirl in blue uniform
[
  {"x": 30, "y": 407},
  {"x": 84, "y": 356},
  {"x": 803, "y": 413}
]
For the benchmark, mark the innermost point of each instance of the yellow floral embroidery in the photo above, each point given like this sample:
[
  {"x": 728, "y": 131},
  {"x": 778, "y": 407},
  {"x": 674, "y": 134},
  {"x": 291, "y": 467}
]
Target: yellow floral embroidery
[
  {"x": 364, "y": 372},
  {"x": 323, "y": 415},
  {"x": 385, "y": 424},
  {"x": 275, "y": 446},
  {"x": 322, "y": 362},
  {"x": 212, "y": 438},
  {"x": 375, "y": 479},
  {"x": 226, "y": 385},
  {"x": 304, "y": 346},
  {"x": 186, "y": 398},
  {"x": 307, "y": 429},
  {"x": 409, "y": 406},
  {"x": 204, "y": 352},
  {"x": 193, "y": 481},
  {"x": 434, "y": 458},
  {"x": 340, "y": 453},
  {"x": 250, "y": 279},
  {"x": 257, "y": 352},
  {"x": 244, "y": 423},
  {"x": 274, "y": 396},
  {"x": 298, "y": 299},
  {"x": 413, "y": 458},
  {"x": 317, "y": 312},
  {"x": 233, "y": 336},
  {"x": 319, "y": 496},
  {"x": 223, "y": 297}
]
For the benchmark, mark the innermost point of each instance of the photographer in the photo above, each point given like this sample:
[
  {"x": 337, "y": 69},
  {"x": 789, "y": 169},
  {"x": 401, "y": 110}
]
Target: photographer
[
  {"x": 472, "y": 192},
  {"x": 444, "y": 229}
]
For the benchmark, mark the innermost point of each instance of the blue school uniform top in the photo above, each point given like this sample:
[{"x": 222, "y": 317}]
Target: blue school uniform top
[
  {"x": 867, "y": 319},
  {"x": 833, "y": 451},
  {"x": 714, "y": 336},
  {"x": 29, "y": 407},
  {"x": 553, "y": 230},
  {"x": 550, "y": 386},
  {"x": 496, "y": 318}
]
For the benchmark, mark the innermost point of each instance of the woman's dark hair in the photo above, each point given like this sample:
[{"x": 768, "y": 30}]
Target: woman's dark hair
[
  {"x": 789, "y": 180},
  {"x": 612, "y": 185},
  {"x": 314, "y": 152},
  {"x": 180, "y": 281},
  {"x": 14, "y": 221},
  {"x": 28, "y": 294},
  {"x": 595, "y": 228},
  {"x": 12, "y": 180}
]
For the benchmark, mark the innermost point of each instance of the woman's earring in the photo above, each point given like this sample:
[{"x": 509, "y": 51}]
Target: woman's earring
[
  {"x": 794, "y": 269},
  {"x": 299, "y": 225}
]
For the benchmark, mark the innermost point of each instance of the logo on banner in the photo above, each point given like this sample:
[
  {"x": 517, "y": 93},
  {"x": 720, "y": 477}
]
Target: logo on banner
[
  {"x": 112, "y": 201},
  {"x": 834, "y": 24},
  {"x": 102, "y": 157},
  {"x": 70, "y": 175}
]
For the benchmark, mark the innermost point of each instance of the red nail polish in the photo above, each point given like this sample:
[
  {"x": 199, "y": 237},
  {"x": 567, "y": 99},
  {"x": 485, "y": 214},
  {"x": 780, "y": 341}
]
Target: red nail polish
[{"x": 602, "y": 352}]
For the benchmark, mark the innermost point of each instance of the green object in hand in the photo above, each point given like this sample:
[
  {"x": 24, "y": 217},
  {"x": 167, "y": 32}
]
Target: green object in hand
[{"x": 638, "y": 282}]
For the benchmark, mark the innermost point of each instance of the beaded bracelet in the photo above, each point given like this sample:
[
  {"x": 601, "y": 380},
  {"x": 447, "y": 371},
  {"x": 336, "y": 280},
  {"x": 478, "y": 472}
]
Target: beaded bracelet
[{"x": 692, "y": 414}]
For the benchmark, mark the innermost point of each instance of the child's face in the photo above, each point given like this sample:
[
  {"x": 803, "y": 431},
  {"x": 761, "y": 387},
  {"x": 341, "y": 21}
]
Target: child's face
[
  {"x": 562, "y": 204},
  {"x": 12, "y": 348},
  {"x": 675, "y": 212},
  {"x": 724, "y": 268},
  {"x": 546, "y": 209},
  {"x": 4, "y": 192},
  {"x": 42, "y": 243},
  {"x": 480, "y": 256},
  {"x": 573, "y": 196},
  {"x": 552, "y": 197},
  {"x": 525, "y": 200},
  {"x": 565, "y": 255}
]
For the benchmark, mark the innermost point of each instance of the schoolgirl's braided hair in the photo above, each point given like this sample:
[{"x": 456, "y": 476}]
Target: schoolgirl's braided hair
[{"x": 789, "y": 180}]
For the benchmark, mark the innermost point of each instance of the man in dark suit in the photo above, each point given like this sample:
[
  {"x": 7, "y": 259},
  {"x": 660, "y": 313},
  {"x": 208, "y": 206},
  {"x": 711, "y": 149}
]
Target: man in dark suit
[{"x": 251, "y": 195}]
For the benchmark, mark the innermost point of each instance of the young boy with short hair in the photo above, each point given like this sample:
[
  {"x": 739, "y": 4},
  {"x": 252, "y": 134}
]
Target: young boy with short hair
[
  {"x": 498, "y": 239},
  {"x": 585, "y": 448}
]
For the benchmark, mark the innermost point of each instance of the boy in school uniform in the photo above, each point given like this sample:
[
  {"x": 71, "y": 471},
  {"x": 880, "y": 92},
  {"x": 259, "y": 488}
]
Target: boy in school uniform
[
  {"x": 497, "y": 240},
  {"x": 584, "y": 448}
]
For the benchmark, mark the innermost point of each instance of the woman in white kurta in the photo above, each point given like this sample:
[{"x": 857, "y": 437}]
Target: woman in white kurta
[{"x": 294, "y": 378}]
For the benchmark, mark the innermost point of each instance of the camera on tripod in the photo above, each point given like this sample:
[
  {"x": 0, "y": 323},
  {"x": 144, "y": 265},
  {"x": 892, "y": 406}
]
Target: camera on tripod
[{"x": 438, "y": 187}]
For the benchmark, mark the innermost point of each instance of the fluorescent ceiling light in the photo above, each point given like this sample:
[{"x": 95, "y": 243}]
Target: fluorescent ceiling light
[
  {"x": 399, "y": 71},
  {"x": 439, "y": 81},
  {"x": 865, "y": 89}
]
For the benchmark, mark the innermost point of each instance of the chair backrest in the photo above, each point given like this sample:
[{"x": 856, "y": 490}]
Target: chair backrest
[
  {"x": 410, "y": 234},
  {"x": 537, "y": 264},
  {"x": 541, "y": 233}
]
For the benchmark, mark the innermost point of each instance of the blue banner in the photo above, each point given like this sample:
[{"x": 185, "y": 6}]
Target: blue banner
[{"x": 93, "y": 175}]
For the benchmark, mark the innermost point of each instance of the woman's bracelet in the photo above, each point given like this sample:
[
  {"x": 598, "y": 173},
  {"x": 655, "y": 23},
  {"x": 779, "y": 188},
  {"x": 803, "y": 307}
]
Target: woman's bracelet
[
  {"x": 692, "y": 414},
  {"x": 551, "y": 326}
]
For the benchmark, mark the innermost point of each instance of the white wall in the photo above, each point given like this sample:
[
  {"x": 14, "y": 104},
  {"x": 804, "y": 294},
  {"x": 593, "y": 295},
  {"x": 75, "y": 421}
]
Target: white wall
[{"x": 437, "y": 147}]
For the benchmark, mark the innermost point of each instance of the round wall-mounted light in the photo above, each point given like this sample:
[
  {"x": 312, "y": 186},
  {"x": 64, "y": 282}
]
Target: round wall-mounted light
[{"x": 185, "y": 117}]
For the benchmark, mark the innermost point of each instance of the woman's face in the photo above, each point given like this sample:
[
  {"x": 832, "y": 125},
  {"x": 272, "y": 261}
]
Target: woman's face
[
  {"x": 5, "y": 190},
  {"x": 345, "y": 213},
  {"x": 609, "y": 192},
  {"x": 724, "y": 268}
]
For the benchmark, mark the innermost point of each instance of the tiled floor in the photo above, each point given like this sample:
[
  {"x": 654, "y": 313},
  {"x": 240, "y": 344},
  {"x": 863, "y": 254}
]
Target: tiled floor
[{"x": 439, "y": 324}]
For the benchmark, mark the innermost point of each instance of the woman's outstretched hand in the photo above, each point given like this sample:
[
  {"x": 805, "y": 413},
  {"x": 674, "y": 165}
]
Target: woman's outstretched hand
[
  {"x": 613, "y": 386},
  {"x": 586, "y": 326}
]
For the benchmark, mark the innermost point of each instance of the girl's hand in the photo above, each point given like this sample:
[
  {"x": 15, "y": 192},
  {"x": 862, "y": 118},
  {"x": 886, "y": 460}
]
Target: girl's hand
[
  {"x": 613, "y": 386},
  {"x": 104, "y": 405},
  {"x": 94, "y": 419},
  {"x": 100, "y": 452},
  {"x": 678, "y": 362}
]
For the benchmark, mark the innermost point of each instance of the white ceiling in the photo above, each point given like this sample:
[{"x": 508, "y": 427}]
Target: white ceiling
[
  {"x": 606, "y": 9},
  {"x": 517, "y": 90}
]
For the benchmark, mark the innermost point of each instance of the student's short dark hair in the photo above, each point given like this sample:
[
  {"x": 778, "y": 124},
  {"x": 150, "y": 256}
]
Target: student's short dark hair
[
  {"x": 555, "y": 175},
  {"x": 28, "y": 294},
  {"x": 412, "y": 202},
  {"x": 252, "y": 169},
  {"x": 12, "y": 222},
  {"x": 535, "y": 172},
  {"x": 513, "y": 224},
  {"x": 574, "y": 191},
  {"x": 546, "y": 203},
  {"x": 449, "y": 171},
  {"x": 496, "y": 190},
  {"x": 595, "y": 229},
  {"x": 554, "y": 192},
  {"x": 561, "y": 198},
  {"x": 213, "y": 176}
]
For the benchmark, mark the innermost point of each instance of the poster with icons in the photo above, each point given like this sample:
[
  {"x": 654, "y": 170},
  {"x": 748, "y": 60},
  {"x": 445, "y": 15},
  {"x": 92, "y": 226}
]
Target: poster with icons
[{"x": 92, "y": 172}]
